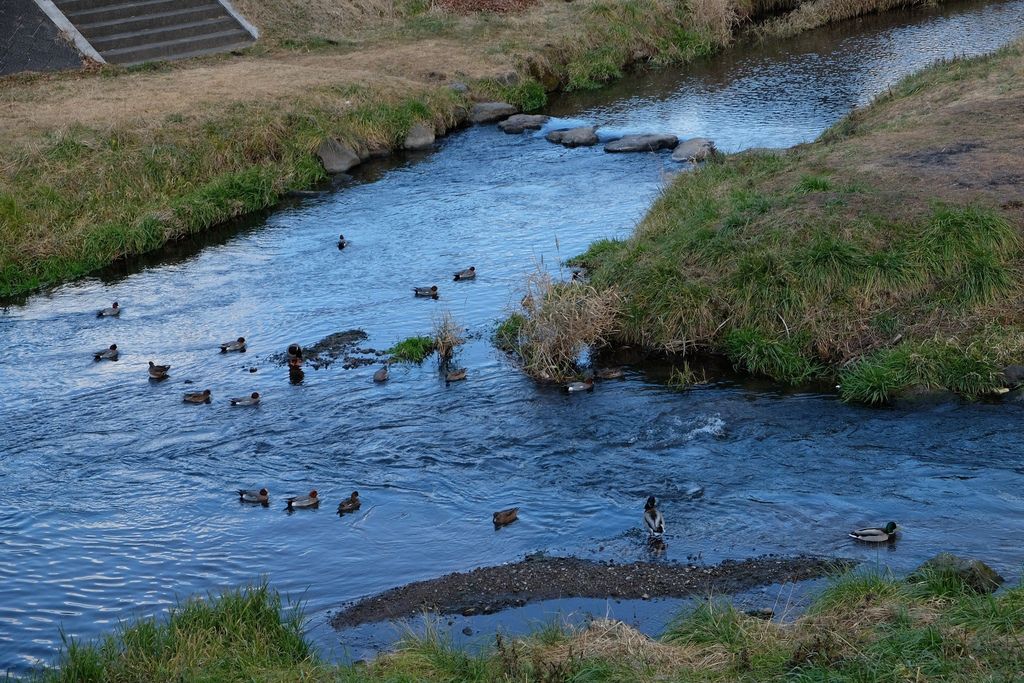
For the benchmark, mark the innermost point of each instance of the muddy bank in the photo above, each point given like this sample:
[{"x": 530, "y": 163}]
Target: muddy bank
[{"x": 489, "y": 589}]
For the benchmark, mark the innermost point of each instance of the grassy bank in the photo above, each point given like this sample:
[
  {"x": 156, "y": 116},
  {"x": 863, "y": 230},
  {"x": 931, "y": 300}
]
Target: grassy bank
[
  {"x": 863, "y": 627},
  {"x": 113, "y": 163},
  {"x": 886, "y": 255}
]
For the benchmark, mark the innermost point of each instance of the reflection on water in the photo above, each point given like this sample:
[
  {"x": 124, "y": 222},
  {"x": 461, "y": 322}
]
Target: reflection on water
[{"x": 120, "y": 498}]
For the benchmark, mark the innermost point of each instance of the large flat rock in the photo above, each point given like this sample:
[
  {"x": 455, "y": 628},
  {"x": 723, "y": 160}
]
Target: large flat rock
[
  {"x": 650, "y": 142},
  {"x": 694, "y": 150},
  {"x": 517, "y": 123},
  {"x": 420, "y": 136},
  {"x": 490, "y": 112},
  {"x": 337, "y": 157},
  {"x": 585, "y": 136}
]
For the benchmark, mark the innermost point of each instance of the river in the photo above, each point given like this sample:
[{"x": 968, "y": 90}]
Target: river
[{"x": 118, "y": 499}]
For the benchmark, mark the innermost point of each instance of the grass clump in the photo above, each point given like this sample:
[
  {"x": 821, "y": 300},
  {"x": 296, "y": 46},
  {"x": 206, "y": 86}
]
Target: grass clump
[
  {"x": 447, "y": 336},
  {"x": 413, "y": 349}
]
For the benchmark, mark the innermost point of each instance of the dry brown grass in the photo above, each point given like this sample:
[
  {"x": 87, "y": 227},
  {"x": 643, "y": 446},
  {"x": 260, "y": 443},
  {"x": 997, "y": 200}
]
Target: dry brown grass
[
  {"x": 817, "y": 13},
  {"x": 447, "y": 336}
]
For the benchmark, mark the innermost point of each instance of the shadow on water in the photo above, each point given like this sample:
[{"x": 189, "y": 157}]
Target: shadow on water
[{"x": 153, "y": 515}]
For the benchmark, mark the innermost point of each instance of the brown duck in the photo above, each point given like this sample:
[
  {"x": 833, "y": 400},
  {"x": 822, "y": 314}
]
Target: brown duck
[
  {"x": 350, "y": 504},
  {"x": 505, "y": 517}
]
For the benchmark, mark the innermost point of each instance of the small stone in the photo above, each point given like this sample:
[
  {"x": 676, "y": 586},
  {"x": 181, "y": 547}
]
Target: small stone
[
  {"x": 517, "y": 123},
  {"x": 642, "y": 143},
  {"x": 421, "y": 136},
  {"x": 585, "y": 136},
  {"x": 645, "y": 596},
  {"x": 459, "y": 87},
  {"x": 336, "y": 157},
  {"x": 694, "y": 150},
  {"x": 491, "y": 112},
  {"x": 467, "y": 631},
  {"x": 252, "y": 369},
  {"x": 469, "y": 611}
]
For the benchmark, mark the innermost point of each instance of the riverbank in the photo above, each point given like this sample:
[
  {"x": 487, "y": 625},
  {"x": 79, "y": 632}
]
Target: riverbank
[
  {"x": 107, "y": 164},
  {"x": 887, "y": 255},
  {"x": 862, "y": 627}
]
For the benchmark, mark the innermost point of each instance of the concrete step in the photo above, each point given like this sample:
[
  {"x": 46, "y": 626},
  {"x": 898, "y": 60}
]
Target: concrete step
[
  {"x": 102, "y": 29},
  {"x": 120, "y": 9},
  {"x": 179, "y": 48},
  {"x": 162, "y": 34}
]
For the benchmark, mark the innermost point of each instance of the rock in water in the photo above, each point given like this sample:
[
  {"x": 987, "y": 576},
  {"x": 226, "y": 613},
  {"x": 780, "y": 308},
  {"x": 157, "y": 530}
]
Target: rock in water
[
  {"x": 642, "y": 143},
  {"x": 421, "y": 136},
  {"x": 585, "y": 136},
  {"x": 489, "y": 112},
  {"x": 975, "y": 574},
  {"x": 696, "y": 149},
  {"x": 1013, "y": 375},
  {"x": 517, "y": 123},
  {"x": 336, "y": 157}
]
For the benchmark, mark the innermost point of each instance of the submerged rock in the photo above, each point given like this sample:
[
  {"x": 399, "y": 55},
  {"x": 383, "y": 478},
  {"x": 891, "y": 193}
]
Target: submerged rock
[
  {"x": 517, "y": 123},
  {"x": 490, "y": 112},
  {"x": 421, "y": 136},
  {"x": 1013, "y": 376},
  {"x": 584, "y": 136},
  {"x": 642, "y": 143},
  {"x": 337, "y": 157},
  {"x": 975, "y": 574},
  {"x": 695, "y": 149}
]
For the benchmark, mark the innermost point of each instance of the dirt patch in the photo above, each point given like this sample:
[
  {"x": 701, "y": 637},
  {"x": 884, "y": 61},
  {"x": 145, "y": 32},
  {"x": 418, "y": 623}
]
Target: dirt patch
[
  {"x": 490, "y": 589},
  {"x": 469, "y": 6}
]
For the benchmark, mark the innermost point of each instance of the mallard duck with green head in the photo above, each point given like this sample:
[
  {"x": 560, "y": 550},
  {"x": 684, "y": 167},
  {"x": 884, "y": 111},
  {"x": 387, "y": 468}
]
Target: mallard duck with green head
[{"x": 876, "y": 534}]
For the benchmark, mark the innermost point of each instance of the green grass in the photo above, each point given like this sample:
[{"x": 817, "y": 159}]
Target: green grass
[{"x": 413, "y": 349}]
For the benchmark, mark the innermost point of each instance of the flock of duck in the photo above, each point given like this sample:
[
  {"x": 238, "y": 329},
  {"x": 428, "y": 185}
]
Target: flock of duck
[{"x": 653, "y": 519}]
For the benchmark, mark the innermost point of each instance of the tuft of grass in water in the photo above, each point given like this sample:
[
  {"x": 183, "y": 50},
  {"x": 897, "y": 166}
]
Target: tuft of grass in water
[
  {"x": 750, "y": 350},
  {"x": 447, "y": 336},
  {"x": 709, "y": 622},
  {"x": 528, "y": 94},
  {"x": 413, "y": 349}
]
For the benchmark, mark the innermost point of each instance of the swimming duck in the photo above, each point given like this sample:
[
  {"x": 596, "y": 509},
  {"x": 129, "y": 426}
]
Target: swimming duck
[
  {"x": 426, "y": 291},
  {"x": 350, "y": 504},
  {"x": 653, "y": 519},
  {"x": 106, "y": 354},
  {"x": 456, "y": 375},
  {"x": 294, "y": 351},
  {"x": 254, "y": 496},
  {"x": 158, "y": 371},
  {"x": 611, "y": 373},
  {"x": 467, "y": 274},
  {"x": 237, "y": 345},
  {"x": 875, "y": 534},
  {"x": 585, "y": 385},
  {"x": 342, "y": 242},
  {"x": 310, "y": 501},
  {"x": 505, "y": 517},
  {"x": 198, "y": 396},
  {"x": 252, "y": 399},
  {"x": 382, "y": 374},
  {"x": 114, "y": 310}
]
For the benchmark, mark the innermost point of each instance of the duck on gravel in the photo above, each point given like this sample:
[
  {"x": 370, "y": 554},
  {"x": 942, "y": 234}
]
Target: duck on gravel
[
  {"x": 237, "y": 345},
  {"x": 875, "y": 534},
  {"x": 310, "y": 501},
  {"x": 198, "y": 397},
  {"x": 504, "y": 517},
  {"x": 111, "y": 312},
  {"x": 654, "y": 521},
  {"x": 109, "y": 353},
  {"x": 252, "y": 399},
  {"x": 429, "y": 292},
  {"x": 158, "y": 371},
  {"x": 253, "y": 496},
  {"x": 350, "y": 504},
  {"x": 467, "y": 274}
]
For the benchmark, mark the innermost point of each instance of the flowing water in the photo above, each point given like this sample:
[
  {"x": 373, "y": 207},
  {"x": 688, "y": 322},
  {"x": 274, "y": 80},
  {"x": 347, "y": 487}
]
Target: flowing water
[{"x": 119, "y": 499}]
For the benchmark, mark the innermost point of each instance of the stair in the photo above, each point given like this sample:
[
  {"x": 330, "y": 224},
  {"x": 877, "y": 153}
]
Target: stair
[{"x": 131, "y": 32}]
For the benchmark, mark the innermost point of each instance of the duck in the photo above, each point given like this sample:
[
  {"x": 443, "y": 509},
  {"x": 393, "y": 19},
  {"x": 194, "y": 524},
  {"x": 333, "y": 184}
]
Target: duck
[
  {"x": 158, "y": 371},
  {"x": 875, "y": 534},
  {"x": 467, "y": 274},
  {"x": 653, "y": 519},
  {"x": 310, "y": 501},
  {"x": 252, "y": 399},
  {"x": 342, "y": 242},
  {"x": 585, "y": 385},
  {"x": 527, "y": 302},
  {"x": 456, "y": 375},
  {"x": 237, "y": 345},
  {"x": 294, "y": 351},
  {"x": 611, "y": 373},
  {"x": 109, "y": 353},
  {"x": 350, "y": 504},
  {"x": 113, "y": 311},
  {"x": 254, "y": 496},
  {"x": 503, "y": 517},
  {"x": 382, "y": 374},
  {"x": 198, "y": 396},
  {"x": 425, "y": 291}
]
